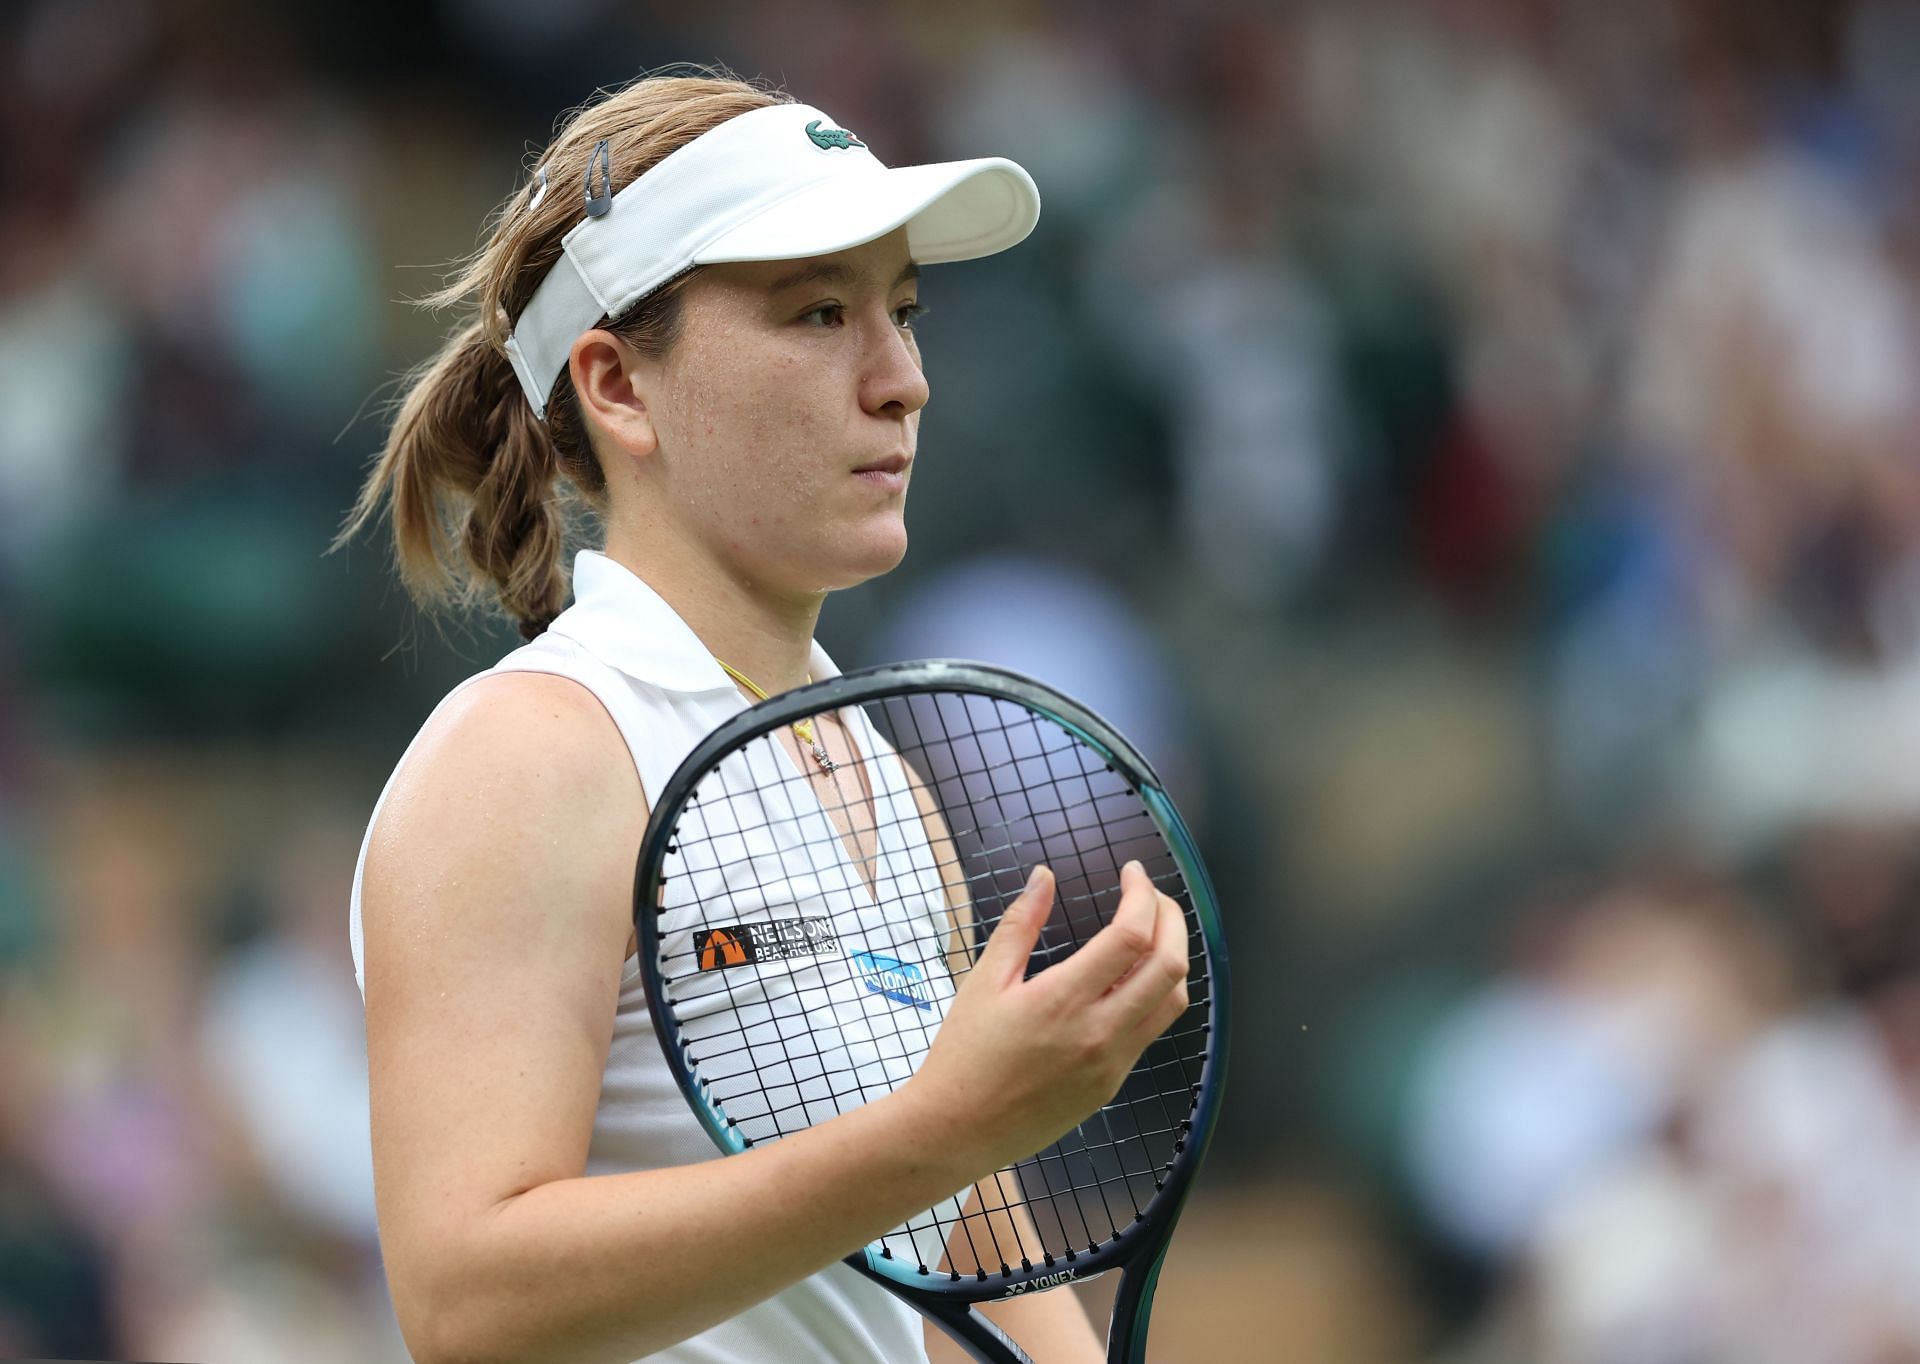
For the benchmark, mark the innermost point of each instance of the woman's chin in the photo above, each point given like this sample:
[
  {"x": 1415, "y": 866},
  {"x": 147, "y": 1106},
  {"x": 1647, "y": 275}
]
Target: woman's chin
[{"x": 873, "y": 551}]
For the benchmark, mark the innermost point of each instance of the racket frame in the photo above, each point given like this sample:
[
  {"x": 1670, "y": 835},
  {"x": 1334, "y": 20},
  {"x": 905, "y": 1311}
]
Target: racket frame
[{"x": 1138, "y": 1249}]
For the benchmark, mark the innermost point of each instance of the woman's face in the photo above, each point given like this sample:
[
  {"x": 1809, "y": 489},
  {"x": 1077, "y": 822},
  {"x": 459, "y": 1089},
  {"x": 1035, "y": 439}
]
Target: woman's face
[{"x": 786, "y": 415}]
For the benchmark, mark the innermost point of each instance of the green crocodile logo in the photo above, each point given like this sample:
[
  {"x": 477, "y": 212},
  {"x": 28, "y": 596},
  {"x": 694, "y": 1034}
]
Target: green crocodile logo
[{"x": 829, "y": 138}]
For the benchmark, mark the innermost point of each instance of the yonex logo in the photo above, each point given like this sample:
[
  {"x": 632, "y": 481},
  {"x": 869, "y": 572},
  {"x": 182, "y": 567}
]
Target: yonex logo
[
  {"x": 1044, "y": 1282},
  {"x": 829, "y": 139},
  {"x": 901, "y": 981},
  {"x": 775, "y": 940}
]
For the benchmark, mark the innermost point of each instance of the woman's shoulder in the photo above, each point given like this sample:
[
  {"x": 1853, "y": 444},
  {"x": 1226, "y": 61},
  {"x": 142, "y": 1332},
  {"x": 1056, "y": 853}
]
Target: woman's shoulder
[
  {"x": 549, "y": 687},
  {"x": 512, "y": 718},
  {"x": 507, "y": 699},
  {"x": 511, "y": 743}
]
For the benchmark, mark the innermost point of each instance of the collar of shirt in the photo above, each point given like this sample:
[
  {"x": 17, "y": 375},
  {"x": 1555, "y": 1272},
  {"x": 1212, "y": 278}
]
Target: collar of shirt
[{"x": 618, "y": 618}]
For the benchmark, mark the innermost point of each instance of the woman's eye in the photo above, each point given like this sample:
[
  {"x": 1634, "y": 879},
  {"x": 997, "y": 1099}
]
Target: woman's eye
[{"x": 834, "y": 314}]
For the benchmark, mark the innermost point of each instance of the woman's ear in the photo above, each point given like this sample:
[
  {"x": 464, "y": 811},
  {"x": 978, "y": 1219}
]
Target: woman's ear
[{"x": 612, "y": 383}]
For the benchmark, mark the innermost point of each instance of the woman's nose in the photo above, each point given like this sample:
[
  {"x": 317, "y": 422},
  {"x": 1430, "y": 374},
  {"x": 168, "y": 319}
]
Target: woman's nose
[{"x": 894, "y": 377}]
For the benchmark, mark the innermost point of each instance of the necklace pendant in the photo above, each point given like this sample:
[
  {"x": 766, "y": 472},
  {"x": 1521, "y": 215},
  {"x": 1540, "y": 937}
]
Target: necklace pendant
[{"x": 827, "y": 765}]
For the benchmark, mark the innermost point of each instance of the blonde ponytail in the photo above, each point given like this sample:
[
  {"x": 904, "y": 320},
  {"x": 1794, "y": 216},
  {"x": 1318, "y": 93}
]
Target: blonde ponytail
[{"x": 486, "y": 499}]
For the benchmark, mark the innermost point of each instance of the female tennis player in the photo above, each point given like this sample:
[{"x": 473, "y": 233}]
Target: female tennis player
[{"x": 694, "y": 325}]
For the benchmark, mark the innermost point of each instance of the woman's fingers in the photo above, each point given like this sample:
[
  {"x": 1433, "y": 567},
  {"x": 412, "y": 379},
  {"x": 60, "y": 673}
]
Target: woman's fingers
[
  {"x": 1110, "y": 954},
  {"x": 1130, "y": 972},
  {"x": 1165, "y": 1011},
  {"x": 1004, "y": 958},
  {"x": 1158, "y": 977},
  {"x": 1028, "y": 1058}
]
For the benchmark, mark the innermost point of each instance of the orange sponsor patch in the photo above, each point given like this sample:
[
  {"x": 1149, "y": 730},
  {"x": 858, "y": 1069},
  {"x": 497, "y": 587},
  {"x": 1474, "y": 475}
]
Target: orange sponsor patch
[
  {"x": 715, "y": 949},
  {"x": 722, "y": 947}
]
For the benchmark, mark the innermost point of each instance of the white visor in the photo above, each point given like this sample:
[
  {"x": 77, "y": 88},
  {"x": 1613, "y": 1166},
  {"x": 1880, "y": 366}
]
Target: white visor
[{"x": 776, "y": 184}]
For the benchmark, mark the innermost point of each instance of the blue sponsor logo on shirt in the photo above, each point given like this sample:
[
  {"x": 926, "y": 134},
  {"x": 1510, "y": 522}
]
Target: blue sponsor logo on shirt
[{"x": 901, "y": 981}]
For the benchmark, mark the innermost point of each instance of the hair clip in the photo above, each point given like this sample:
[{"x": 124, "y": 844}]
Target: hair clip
[
  {"x": 540, "y": 193},
  {"x": 601, "y": 204}
]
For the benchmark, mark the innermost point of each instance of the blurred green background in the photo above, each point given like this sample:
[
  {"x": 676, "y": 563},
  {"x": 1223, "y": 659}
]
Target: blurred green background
[{"x": 1469, "y": 445}]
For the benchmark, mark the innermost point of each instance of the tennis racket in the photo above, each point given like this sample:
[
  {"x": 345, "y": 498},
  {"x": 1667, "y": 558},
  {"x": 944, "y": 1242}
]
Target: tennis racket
[{"x": 804, "y": 923}]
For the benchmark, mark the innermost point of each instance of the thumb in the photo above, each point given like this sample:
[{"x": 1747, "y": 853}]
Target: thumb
[{"x": 1013, "y": 938}]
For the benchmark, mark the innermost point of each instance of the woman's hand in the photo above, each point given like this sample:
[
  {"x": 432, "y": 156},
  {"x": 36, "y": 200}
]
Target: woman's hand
[{"x": 1017, "y": 1062}]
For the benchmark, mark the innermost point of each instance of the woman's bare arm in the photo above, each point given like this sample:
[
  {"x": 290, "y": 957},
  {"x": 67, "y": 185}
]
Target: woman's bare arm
[{"x": 496, "y": 904}]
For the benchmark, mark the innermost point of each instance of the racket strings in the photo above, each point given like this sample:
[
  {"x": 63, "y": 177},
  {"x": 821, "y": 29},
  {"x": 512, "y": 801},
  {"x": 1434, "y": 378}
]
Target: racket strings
[
  {"x": 991, "y": 771},
  {"x": 744, "y": 834},
  {"x": 784, "y": 1041}
]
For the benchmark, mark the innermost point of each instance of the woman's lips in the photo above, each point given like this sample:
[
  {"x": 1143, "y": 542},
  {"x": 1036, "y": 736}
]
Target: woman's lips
[
  {"x": 889, "y": 473},
  {"x": 883, "y": 478}
]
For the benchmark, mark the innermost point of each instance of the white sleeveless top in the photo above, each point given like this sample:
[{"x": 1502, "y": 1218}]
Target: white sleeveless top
[{"x": 664, "y": 690}]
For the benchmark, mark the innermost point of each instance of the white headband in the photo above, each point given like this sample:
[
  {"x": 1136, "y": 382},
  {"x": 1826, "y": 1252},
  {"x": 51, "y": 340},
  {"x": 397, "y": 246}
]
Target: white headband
[{"x": 776, "y": 184}]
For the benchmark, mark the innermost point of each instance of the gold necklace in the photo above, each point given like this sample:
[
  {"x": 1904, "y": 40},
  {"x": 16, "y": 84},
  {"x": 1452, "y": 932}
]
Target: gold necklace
[
  {"x": 802, "y": 729},
  {"x": 804, "y": 732}
]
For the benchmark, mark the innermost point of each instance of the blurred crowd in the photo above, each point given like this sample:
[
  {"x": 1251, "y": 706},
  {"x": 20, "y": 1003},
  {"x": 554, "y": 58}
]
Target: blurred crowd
[{"x": 1470, "y": 445}]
